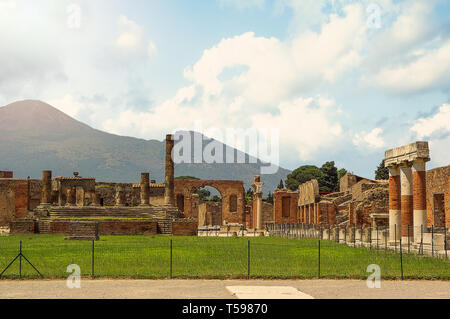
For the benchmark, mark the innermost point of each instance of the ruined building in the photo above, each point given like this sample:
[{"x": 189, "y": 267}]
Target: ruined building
[{"x": 411, "y": 202}]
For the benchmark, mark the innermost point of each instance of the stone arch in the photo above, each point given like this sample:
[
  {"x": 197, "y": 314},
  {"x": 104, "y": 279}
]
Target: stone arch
[{"x": 227, "y": 189}]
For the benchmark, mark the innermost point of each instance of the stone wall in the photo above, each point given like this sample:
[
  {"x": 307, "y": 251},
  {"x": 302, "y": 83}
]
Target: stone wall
[
  {"x": 374, "y": 201},
  {"x": 17, "y": 197},
  {"x": 184, "y": 228},
  {"x": 291, "y": 210},
  {"x": 6, "y": 174},
  {"x": 22, "y": 226},
  {"x": 210, "y": 214},
  {"x": 110, "y": 227},
  {"x": 106, "y": 193},
  {"x": 438, "y": 197},
  {"x": 229, "y": 190}
]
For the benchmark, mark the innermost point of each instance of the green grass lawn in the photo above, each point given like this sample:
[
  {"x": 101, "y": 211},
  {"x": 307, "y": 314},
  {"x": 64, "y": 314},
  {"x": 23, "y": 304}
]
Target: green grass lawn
[{"x": 193, "y": 257}]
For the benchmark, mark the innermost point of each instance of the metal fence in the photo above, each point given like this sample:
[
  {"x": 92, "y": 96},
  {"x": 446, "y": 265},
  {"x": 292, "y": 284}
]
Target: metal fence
[
  {"x": 198, "y": 257},
  {"x": 432, "y": 240}
]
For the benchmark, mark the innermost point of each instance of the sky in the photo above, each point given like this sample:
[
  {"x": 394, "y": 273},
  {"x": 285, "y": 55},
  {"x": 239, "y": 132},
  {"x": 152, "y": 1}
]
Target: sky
[{"x": 339, "y": 80}]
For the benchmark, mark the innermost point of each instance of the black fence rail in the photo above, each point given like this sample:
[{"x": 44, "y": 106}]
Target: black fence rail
[
  {"x": 310, "y": 256},
  {"x": 432, "y": 240}
]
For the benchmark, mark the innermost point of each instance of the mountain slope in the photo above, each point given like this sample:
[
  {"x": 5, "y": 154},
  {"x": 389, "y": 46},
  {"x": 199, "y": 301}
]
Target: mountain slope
[{"x": 35, "y": 136}]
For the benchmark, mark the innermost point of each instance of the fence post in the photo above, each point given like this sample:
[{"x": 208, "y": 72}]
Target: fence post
[
  {"x": 319, "y": 262},
  {"x": 408, "y": 240},
  {"x": 395, "y": 238},
  {"x": 432, "y": 240},
  {"x": 354, "y": 236},
  {"x": 20, "y": 260},
  {"x": 401, "y": 257},
  {"x": 421, "y": 239},
  {"x": 93, "y": 259},
  {"x": 445, "y": 242},
  {"x": 370, "y": 237},
  {"x": 248, "y": 259},
  {"x": 361, "y": 240},
  {"x": 171, "y": 260},
  {"x": 377, "y": 237}
]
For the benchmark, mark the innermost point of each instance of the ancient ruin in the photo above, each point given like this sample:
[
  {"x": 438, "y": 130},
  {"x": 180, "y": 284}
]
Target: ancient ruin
[{"x": 407, "y": 189}]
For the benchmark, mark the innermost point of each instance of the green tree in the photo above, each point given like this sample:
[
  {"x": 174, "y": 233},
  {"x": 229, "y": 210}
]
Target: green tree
[
  {"x": 328, "y": 182},
  {"x": 203, "y": 194},
  {"x": 382, "y": 172},
  {"x": 249, "y": 195},
  {"x": 281, "y": 185},
  {"x": 186, "y": 177},
  {"x": 269, "y": 198},
  {"x": 302, "y": 175},
  {"x": 215, "y": 198}
]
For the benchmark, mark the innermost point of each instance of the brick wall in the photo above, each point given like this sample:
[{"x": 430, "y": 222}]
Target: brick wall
[
  {"x": 184, "y": 228},
  {"x": 110, "y": 227},
  {"x": 6, "y": 174},
  {"x": 436, "y": 184},
  {"x": 278, "y": 206},
  {"x": 24, "y": 226}
]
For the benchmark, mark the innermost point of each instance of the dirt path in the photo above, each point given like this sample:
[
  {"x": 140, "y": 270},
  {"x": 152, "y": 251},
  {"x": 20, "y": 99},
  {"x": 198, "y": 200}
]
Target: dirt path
[{"x": 198, "y": 289}]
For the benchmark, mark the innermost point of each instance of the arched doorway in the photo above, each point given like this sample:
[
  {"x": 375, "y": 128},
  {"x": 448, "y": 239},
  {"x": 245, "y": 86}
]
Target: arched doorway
[{"x": 231, "y": 193}]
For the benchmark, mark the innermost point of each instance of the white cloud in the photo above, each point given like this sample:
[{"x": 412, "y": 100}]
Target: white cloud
[
  {"x": 431, "y": 70},
  {"x": 371, "y": 140},
  {"x": 131, "y": 38},
  {"x": 67, "y": 104},
  {"x": 436, "y": 129},
  {"x": 242, "y": 4},
  {"x": 438, "y": 123}
]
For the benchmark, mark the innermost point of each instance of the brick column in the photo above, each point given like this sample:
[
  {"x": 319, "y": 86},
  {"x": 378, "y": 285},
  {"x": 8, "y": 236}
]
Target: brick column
[
  {"x": 395, "y": 220},
  {"x": 46, "y": 193},
  {"x": 170, "y": 171},
  {"x": 145, "y": 189},
  {"x": 406, "y": 197},
  {"x": 419, "y": 198}
]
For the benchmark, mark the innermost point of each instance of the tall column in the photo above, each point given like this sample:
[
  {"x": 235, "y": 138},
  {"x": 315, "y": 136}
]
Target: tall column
[
  {"x": 170, "y": 171},
  {"x": 395, "y": 220},
  {"x": 46, "y": 194},
  {"x": 419, "y": 198},
  {"x": 407, "y": 197},
  {"x": 257, "y": 185},
  {"x": 120, "y": 200},
  {"x": 145, "y": 189}
]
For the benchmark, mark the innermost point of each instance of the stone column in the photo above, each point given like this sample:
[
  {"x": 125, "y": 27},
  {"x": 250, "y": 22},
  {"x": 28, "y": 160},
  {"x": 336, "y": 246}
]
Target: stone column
[
  {"x": 46, "y": 194},
  {"x": 257, "y": 185},
  {"x": 170, "y": 171},
  {"x": 120, "y": 201},
  {"x": 407, "y": 197},
  {"x": 145, "y": 189},
  {"x": 395, "y": 220},
  {"x": 419, "y": 198}
]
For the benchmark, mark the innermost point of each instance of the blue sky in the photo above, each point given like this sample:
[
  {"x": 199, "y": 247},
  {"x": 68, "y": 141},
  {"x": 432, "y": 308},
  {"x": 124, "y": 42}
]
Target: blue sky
[{"x": 341, "y": 80}]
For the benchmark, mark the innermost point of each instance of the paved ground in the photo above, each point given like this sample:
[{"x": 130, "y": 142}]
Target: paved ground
[{"x": 198, "y": 289}]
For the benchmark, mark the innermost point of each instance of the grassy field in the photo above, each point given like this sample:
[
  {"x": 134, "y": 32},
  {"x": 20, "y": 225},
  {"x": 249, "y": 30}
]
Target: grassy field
[{"x": 193, "y": 257}]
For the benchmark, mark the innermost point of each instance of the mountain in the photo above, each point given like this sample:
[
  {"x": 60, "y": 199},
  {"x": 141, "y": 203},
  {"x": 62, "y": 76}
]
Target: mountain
[{"x": 35, "y": 136}]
